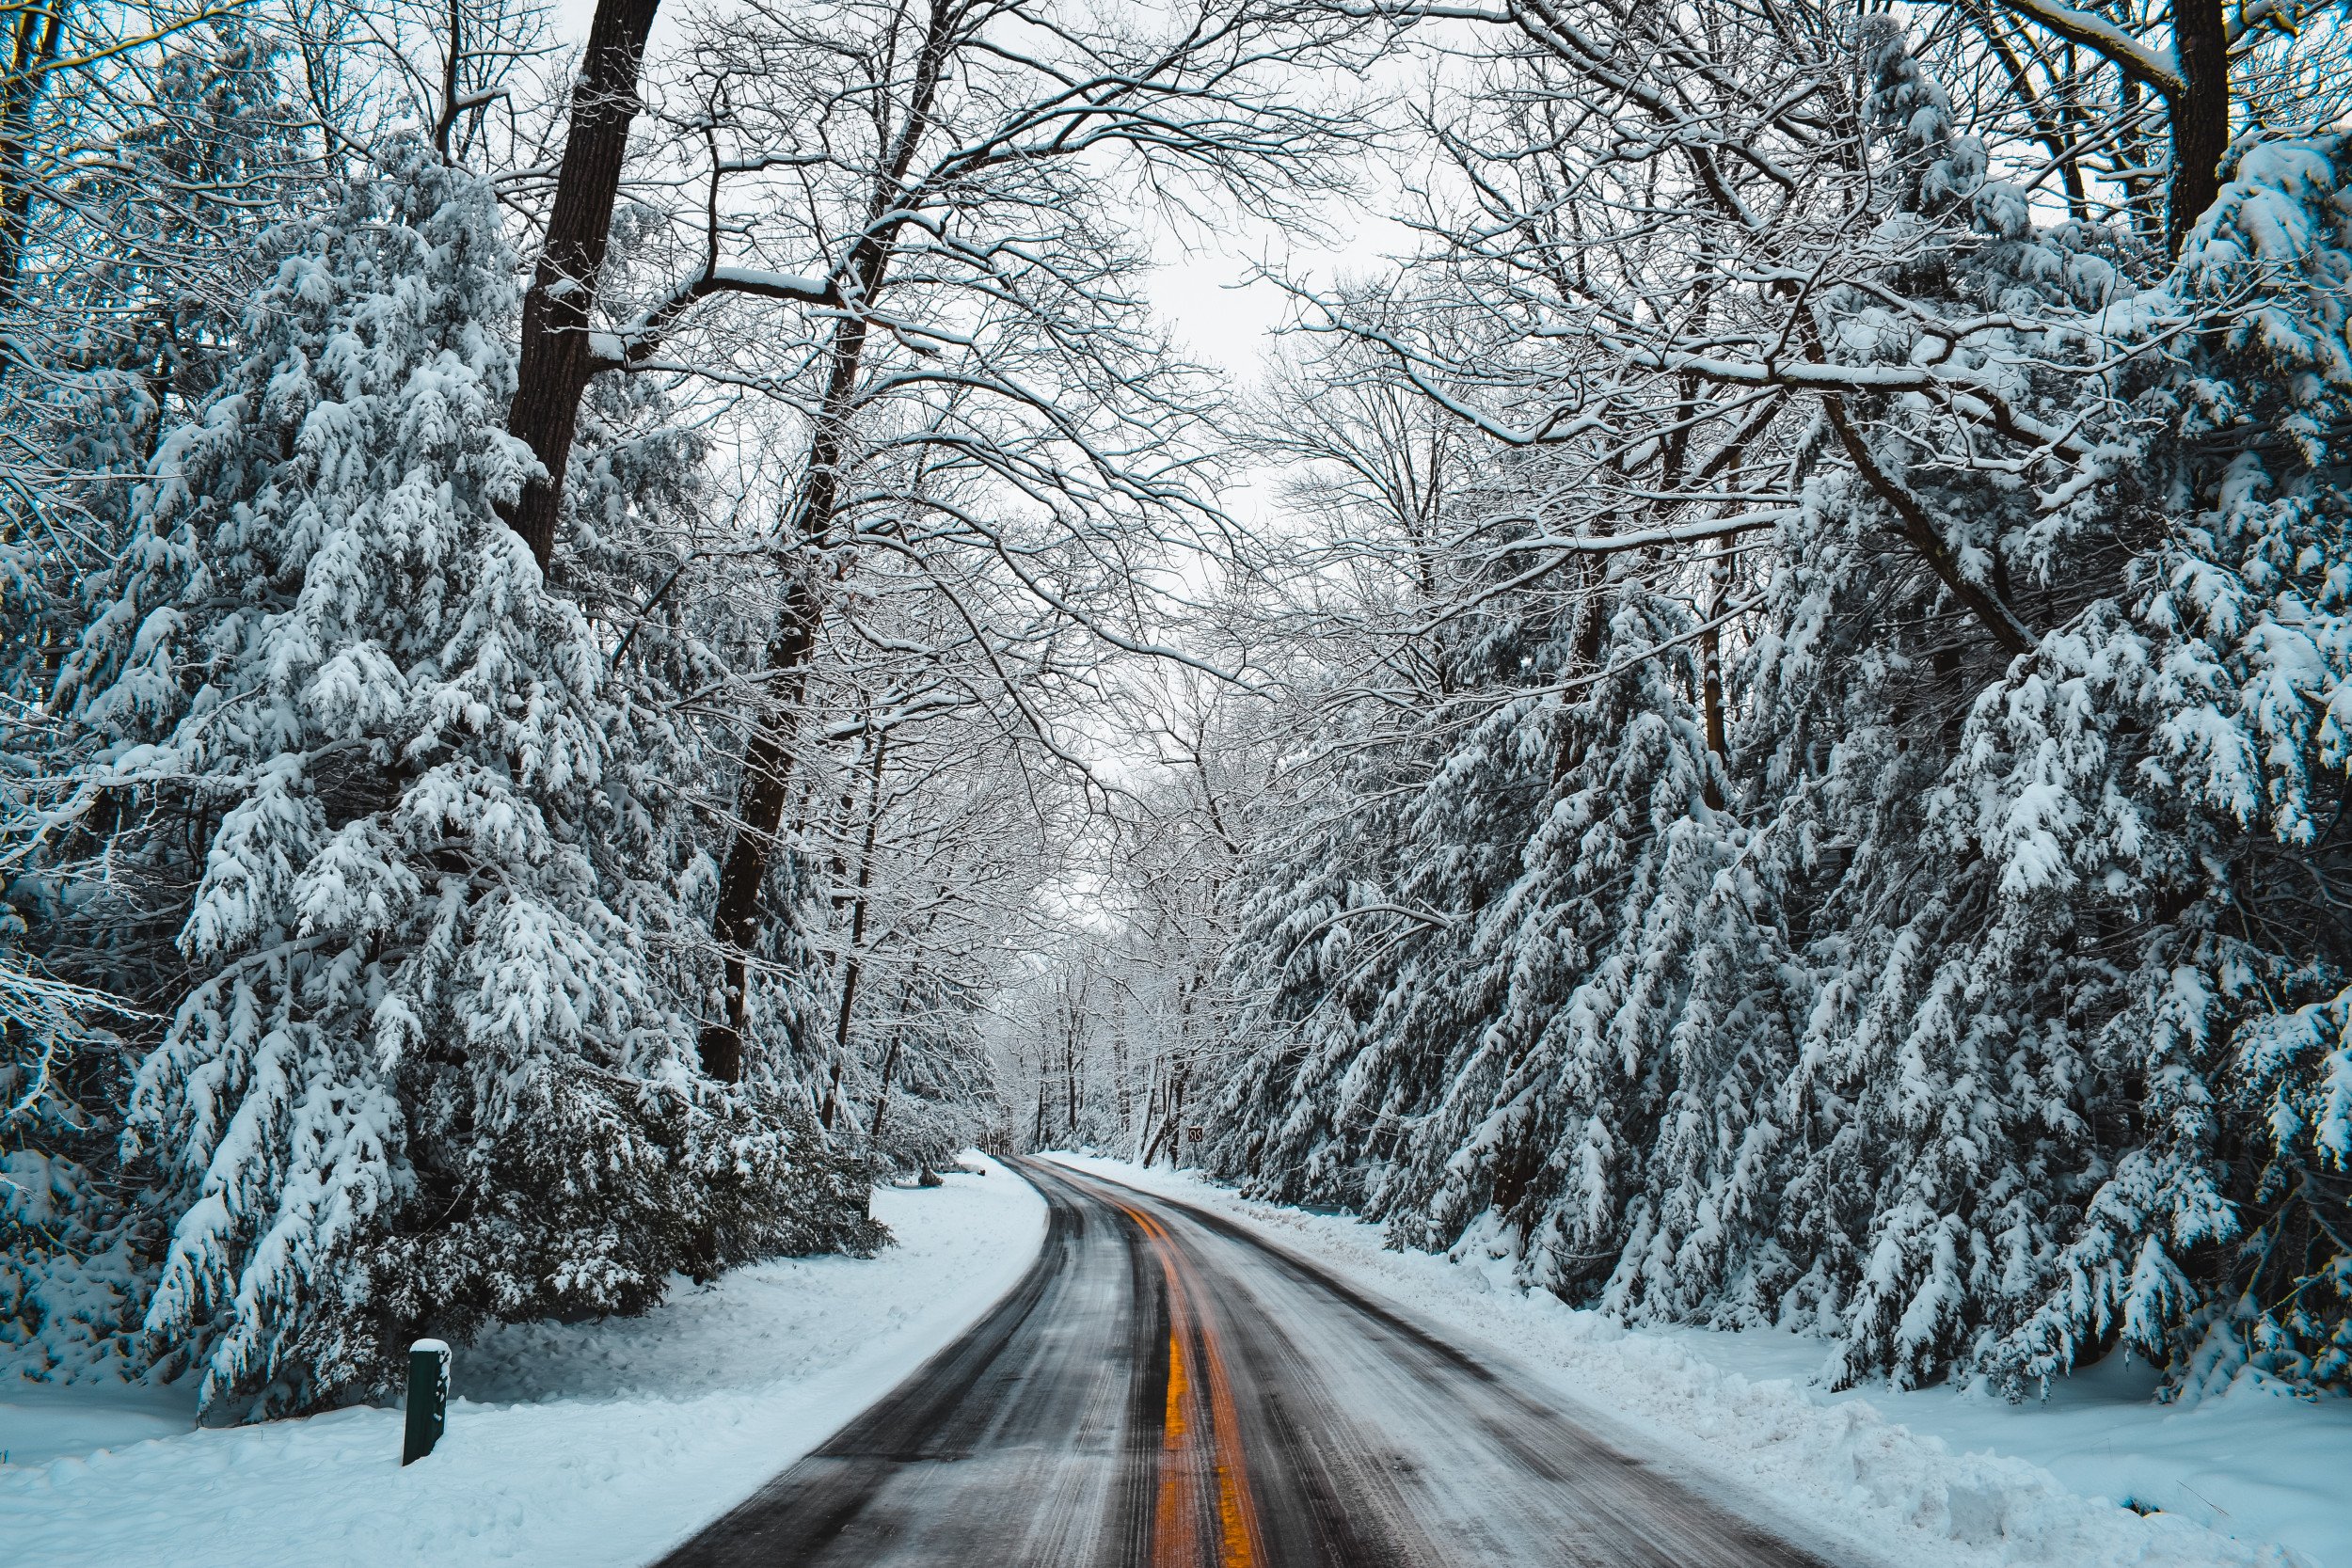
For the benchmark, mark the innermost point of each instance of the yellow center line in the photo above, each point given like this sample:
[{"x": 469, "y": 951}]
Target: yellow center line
[
  {"x": 1236, "y": 1511},
  {"x": 1174, "y": 1535},
  {"x": 1185, "y": 1461}
]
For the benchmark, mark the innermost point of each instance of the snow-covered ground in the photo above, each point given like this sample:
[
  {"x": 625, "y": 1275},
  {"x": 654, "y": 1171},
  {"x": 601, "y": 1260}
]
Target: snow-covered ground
[
  {"x": 1929, "y": 1477},
  {"x": 585, "y": 1444}
]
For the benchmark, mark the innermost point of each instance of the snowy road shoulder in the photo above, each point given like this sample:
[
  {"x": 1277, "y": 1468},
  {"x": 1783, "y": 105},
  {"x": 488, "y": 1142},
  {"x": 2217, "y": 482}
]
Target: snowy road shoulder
[
  {"x": 588, "y": 1444},
  {"x": 1928, "y": 1478}
]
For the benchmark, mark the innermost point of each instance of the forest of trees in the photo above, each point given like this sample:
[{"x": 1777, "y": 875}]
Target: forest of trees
[{"x": 604, "y": 640}]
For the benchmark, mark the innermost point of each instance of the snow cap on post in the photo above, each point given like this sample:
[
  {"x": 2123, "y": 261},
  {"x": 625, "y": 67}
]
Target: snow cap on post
[{"x": 428, "y": 1398}]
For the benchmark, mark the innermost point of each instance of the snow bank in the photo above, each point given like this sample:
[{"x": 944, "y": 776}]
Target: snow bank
[
  {"x": 1926, "y": 1478},
  {"x": 582, "y": 1444}
]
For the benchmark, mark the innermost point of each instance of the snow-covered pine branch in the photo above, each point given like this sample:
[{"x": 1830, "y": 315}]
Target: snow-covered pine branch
[{"x": 1888, "y": 928}]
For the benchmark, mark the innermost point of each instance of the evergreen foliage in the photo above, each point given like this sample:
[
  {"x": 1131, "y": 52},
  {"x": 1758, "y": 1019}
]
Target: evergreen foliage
[
  {"x": 1983, "y": 1012},
  {"x": 432, "y": 1062}
]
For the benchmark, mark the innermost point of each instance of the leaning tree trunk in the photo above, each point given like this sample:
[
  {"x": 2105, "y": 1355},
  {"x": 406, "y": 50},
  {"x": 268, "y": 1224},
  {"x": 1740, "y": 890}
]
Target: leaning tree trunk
[
  {"x": 768, "y": 763},
  {"x": 764, "y": 791},
  {"x": 556, "y": 365}
]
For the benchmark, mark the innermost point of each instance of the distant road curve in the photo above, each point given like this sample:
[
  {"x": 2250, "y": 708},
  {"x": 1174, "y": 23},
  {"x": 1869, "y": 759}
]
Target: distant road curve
[{"x": 1163, "y": 1391}]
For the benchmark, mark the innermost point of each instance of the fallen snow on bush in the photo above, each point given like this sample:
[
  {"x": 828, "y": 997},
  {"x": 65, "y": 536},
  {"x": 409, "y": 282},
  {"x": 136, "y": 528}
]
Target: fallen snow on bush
[
  {"x": 585, "y": 1444},
  {"x": 1930, "y": 1477}
]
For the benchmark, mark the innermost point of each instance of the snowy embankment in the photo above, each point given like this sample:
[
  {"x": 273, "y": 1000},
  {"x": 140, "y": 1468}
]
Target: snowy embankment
[
  {"x": 581, "y": 1444},
  {"x": 1930, "y": 1477}
]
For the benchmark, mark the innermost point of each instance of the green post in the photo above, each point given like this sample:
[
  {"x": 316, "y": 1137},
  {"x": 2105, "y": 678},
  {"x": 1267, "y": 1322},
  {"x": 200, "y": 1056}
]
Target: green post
[{"x": 428, "y": 1398}]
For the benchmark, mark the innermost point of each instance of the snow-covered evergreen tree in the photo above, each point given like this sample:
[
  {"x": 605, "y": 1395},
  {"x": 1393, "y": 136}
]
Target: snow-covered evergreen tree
[
  {"x": 1978, "y": 999},
  {"x": 433, "y": 1060},
  {"x": 150, "y": 183}
]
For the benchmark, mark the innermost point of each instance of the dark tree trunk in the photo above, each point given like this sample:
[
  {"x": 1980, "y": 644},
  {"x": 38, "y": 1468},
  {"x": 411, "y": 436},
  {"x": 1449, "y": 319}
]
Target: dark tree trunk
[
  {"x": 833, "y": 1096},
  {"x": 2201, "y": 116},
  {"x": 1177, "y": 1087},
  {"x": 1711, "y": 691},
  {"x": 768, "y": 763},
  {"x": 1169, "y": 1129},
  {"x": 768, "y": 766},
  {"x": 34, "y": 38},
  {"x": 881, "y": 1099},
  {"x": 765, "y": 792},
  {"x": 554, "y": 366},
  {"x": 890, "y": 1057},
  {"x": 854, "y": 963}
]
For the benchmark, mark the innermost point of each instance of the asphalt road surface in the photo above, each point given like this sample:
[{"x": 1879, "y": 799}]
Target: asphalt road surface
[{"x": 1164, "y": 1391}]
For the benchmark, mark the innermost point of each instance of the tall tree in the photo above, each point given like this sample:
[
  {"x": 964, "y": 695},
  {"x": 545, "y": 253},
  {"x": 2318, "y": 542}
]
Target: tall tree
[{"x": 955, "y": 126}]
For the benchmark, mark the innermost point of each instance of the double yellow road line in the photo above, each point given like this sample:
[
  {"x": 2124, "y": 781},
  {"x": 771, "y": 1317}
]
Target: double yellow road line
[{"x": 1205, "y": 1513}]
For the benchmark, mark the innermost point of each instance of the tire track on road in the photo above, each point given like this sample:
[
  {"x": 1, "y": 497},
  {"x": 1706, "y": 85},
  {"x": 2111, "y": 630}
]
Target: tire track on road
[{"x": 1164, "y": 1389}]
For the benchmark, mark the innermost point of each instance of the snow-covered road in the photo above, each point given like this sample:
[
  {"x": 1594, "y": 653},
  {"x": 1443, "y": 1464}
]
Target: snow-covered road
[{"x": 1164, "y": 1388}]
